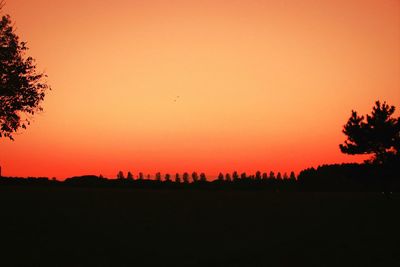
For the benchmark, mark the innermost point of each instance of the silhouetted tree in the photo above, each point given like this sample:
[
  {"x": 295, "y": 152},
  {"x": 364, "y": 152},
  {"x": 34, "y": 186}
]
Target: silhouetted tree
[
  {"x": 264, "y": 176},
  {"x": 195, "y": 177},
  {"x": 243, "y": 176},
  {"x": 258, "y": 175},
  {"x": 167, "y": 177},
  {"x": 120, "y": 175},
  {"x": 279, "y": 176},
  {"x": 129, "y": 176},
  {"x": 141, "y": 176},
  {"x": 292, "y": 176},
  {"x": 185, "y": 177},
  {"x": 148, "y": 176},
  {"x": 228, "y": 177},
  {"x": 177, "y": 178},
  {"x": 220, "y": 177},
  {"x": 158, "y": 176},
  {"x": 22, "y": 88},
  {"x": 235, "y": 176},
  {"x": 285, "y": 176},
  {"x": 203, "y": 177},
  {"x": 272, "y": 175},
  {"x": 377, "y": 134}
]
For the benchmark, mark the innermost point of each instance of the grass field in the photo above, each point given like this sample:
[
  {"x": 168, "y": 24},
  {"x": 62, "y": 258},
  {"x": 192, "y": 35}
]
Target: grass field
[{"x": 127, "y": 227}]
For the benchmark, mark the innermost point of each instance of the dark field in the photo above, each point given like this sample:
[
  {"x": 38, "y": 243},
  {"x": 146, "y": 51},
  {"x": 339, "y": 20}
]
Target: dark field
[{"x": 128, "y": 227}]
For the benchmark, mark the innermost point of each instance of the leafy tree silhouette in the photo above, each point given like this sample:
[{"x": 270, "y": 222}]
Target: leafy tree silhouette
[
  {"x": 129, "y": 176},
  {"x": 195, "y": 177},
  {"x": 120, "y": 175},
  {"x": 167, "y": 177},
  {"x": 279, "y": 176},
  {"x": 220, "y": 177},
  {"x": 235, "y": 176},
  {"x": 258, "y": 175},
  {"x": 177, "y": 178},
  {"x": 141, "y": 176},
  {"x": 228, "y": 177},
  {"x": 285, "y": 176},
  {"x": 292, "y": 176},
  {"x": 272, "y": 175},
  {"x": 377, "y": 134},
  {"x": 185, "y": 177},
  {"x": 243, "y": 176},
  {"x": 203, "y": 177},
  {"x": 158, "y": 176},
  {"x": 264, "y": 176},
  {"x": 22, "y": 88}
]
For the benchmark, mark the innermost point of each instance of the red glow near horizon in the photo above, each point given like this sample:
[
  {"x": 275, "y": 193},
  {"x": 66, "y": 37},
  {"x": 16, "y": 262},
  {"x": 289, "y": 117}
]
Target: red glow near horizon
[{"x": 262, "y": 85}]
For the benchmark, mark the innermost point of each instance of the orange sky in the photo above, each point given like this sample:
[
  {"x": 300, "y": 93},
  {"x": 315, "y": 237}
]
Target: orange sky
[{"x": 262, "y": 84}]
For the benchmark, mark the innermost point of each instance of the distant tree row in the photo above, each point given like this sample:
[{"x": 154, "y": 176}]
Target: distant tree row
[
  {"x": 333, "y": 178},
  {"x": 195, "y": 177}
]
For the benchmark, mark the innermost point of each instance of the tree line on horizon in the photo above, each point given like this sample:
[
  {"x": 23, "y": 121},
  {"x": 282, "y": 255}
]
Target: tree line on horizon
[
  {"x": 349, "y": 177},
  {"x": 196, "y": 177}
]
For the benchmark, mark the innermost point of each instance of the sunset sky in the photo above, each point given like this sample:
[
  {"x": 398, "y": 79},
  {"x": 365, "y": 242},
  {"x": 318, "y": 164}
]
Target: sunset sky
[{"x": 212, "y": 85}]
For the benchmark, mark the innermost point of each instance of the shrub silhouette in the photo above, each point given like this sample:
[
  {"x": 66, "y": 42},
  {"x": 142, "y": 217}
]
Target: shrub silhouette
[
  {"x": 220, "y": 177},
  {"x": 228, "y": 177},
  {"x": 129, "y": 176}
]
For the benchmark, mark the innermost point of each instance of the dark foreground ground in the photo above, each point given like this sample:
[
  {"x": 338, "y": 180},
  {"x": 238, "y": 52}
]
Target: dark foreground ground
[{"x": 127, "y": 227}]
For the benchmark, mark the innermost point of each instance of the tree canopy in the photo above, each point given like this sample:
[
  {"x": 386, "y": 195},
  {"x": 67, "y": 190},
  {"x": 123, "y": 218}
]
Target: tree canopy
[
  {"x": 22, "y": 87},
  {"x": 377, "y": 134}
]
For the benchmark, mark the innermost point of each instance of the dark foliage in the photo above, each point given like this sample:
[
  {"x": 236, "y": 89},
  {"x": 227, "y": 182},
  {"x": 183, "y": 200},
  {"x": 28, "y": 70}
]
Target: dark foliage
[
  {"x": 332, "y": 178},
  {"x": 352, "y": 177},
  {"x": 158, "y": 176},
  {"x": 203, "y": 177},
  {"x": 185, "y": 178},
  {"x": 120, "y": 175},
  {"x": 377, "y": 134},
  {"x": 195, "y": 177},
  {"x": 177, "y": 178},
  {"x": 22, "y": 87}
]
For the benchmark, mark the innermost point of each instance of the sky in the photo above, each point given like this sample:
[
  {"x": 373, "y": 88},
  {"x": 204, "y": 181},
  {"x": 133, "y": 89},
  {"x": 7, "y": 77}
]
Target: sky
[{"x": 204, "y": 86}]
